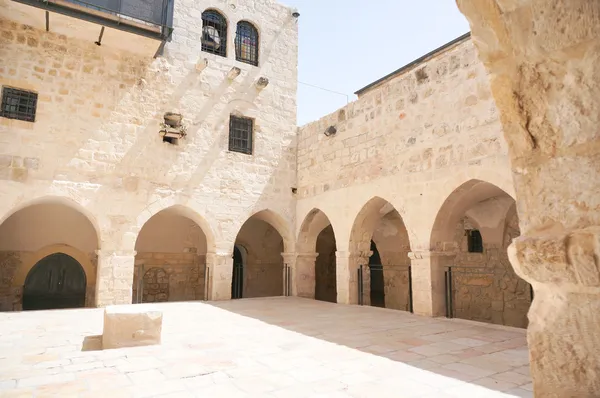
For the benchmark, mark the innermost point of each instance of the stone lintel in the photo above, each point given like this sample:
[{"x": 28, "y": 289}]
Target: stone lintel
[{"x": 426, "y": 254}]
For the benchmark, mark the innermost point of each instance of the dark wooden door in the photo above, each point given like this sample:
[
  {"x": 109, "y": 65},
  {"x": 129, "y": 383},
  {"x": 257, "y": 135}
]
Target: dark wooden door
[
  {"x": 56, "y": 281},
  {"x": 237, "y": 281},
  {"x": 377, "y": 280}
]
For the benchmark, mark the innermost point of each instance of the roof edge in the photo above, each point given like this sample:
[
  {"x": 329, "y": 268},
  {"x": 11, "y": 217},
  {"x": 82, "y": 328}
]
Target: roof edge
[{"x": 414, "y": 63}]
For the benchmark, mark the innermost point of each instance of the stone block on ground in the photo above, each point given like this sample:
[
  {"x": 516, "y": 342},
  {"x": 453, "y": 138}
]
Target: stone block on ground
[{"x": 131, "y": 326}]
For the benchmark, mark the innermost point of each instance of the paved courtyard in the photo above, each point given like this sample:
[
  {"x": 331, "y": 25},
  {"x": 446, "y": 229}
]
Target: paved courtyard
[{"x": 275, "y": 347}]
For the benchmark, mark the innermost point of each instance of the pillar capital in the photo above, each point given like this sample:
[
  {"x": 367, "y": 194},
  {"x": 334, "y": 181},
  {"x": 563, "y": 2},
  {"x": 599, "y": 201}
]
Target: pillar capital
[{"x": 568, "y": 261}]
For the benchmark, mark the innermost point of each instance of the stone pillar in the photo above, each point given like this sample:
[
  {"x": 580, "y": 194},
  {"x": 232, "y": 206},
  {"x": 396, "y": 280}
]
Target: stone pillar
[
  {"x": 346, "y": 273},
  {"x": 543, "y": 59},
  {"x": 303, "y": 273},
  {"x": 114, "y": 281},
  {"x": 428, "y": 282},
  {"x": 219, "y": 267}
]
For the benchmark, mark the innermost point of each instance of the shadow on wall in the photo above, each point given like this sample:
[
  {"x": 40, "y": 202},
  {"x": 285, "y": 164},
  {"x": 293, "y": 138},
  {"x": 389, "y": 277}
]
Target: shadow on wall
[{"x": 465, "y": 351}]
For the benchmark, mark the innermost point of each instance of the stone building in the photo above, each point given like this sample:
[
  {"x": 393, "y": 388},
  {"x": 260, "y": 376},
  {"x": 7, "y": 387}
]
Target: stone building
[{"x": 155, "y": 157}]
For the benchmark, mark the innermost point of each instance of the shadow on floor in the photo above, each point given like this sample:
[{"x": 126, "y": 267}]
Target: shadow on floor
[{"x": 491, "y": 356}]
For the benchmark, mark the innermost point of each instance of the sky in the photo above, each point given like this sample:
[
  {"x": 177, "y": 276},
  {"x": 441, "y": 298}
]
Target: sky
[{"x": 347, "y": 44}]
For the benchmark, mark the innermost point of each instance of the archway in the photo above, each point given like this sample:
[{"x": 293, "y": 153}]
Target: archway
[
  {"x": 317, "y": 257},
  {"x": 474, "y": 226},
  {"x": 170, "y": 261},
  {"x": 56, "y": 281},
  {"x": 38, "y": 244},
  {"x": 260, "y": 243},
  {"x": 379, "y": 233}
]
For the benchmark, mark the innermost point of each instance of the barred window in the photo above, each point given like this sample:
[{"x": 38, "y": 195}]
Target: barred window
[
  {"x": 214, "y": 33},
  {"x": 240, "y": 134},
  {"x": 18, "y": 104},
  {"x": 246, "y": 43},
  {"x": 474, "y": 241}
]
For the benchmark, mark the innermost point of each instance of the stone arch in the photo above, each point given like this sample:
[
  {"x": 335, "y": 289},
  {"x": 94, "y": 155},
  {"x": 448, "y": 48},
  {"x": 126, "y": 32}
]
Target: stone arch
[
  {"x": 379, "y": 231},
  {"x": 484, "y": 285},
  {"x": 314, "y": 222},
  {"x": 266, "y": 236},
  {"x": 183, "y": 210},
  {"x": 316, "y": 261},
  {"x": 61, "y": 226},
  {"x": 175, "y": 240},
  {"x": 280, "y": 224}
]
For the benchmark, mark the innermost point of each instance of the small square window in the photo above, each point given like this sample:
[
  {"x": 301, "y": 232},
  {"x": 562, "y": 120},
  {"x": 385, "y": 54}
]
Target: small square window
[
  {"x": 240, "y": 134},
  {"x": 18, "y": 104}
]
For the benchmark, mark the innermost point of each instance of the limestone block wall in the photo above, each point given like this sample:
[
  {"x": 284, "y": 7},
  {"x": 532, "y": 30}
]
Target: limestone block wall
[
  {"x": 485, "y": 286},
  {"x": 163, "y": 277},
  {"x": 95, "y": 142},
  {"x": 411, "y": 140}
]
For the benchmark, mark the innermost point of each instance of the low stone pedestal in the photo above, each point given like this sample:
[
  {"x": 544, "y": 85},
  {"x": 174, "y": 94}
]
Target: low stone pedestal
[{"x": 131, "y": 326}]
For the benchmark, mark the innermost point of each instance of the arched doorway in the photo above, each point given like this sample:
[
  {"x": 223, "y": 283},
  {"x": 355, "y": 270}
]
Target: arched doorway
[
  {"x": 260, "y": 243},
  {"x": 316, "y": 263},
  {"x": 171, "y": 257},
  {"x": 386, "y": 278},
  {"x": 56, "y": 281},
  {"x": 29, "y": 238},
  {"x": 474, "y": 227},
  {"x": 237, "y": 279}
]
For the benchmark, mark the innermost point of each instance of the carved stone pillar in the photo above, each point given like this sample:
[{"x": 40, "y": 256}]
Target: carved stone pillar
[
  {"x": 346, "y": 273},
  {"x": 543, "y": 59},
  {"x": 114, "y": 281},
  {"x": 428, "y": 283},
  {"x": 302, "y": 267},
  {"x": 219, "y": 269}
]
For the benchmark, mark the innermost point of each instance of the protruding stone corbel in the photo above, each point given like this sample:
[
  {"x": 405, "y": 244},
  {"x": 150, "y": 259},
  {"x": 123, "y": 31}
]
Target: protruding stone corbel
[
  {"x": 262, "y": 83},
  {"x": 233, "y": 73},
  {"x": 201, "y": 64}
]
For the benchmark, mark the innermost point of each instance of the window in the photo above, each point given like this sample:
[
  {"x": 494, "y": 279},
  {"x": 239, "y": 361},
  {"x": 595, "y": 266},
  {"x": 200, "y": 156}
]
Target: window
[
  {"x": 246, "y": 43},
  {"x": 240, "y": 134},
  {"x": 214, "y": 33},
  {"x": 18, "y": 104},
  {"x": 474, "y": 241}
]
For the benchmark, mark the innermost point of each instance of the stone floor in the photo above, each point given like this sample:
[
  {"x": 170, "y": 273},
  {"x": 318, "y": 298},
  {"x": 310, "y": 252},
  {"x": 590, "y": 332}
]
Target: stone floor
[{"x": 278, "y": 347}]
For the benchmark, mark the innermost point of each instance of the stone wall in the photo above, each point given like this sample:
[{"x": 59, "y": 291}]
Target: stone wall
[
  {"x": 169, "y": 277},
  {"x": 95, "y": 143},
  {"x": 485, "y": 286}
]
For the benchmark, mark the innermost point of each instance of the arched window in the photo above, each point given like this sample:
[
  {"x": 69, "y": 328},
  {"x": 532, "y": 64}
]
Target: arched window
[
  {"x": 246, "y": 43},
  {"x": 214, "y": 33}
]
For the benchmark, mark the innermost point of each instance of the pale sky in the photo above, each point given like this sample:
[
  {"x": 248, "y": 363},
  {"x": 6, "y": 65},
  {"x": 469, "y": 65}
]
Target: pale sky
[{"x": 347, "y": 44}]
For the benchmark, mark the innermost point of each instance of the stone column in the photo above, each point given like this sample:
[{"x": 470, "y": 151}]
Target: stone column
[
  {"x": 543, "y": 59},
  {"x": 219, "y": 267},
  {"x": 428, "y": 282},
  {"x": 114, "y": 281},
  {"x": 346, "y": 273},
  {"x": 303, "y": 273}
]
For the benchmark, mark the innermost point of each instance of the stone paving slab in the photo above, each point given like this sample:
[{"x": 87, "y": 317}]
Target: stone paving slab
[{"x": 272, "y": 347}]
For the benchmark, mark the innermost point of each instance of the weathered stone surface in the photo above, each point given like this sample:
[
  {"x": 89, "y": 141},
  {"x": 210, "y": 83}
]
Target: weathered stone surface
[
  {"x": 131, "y": 326},
  {"x": 543, "y": 58}
]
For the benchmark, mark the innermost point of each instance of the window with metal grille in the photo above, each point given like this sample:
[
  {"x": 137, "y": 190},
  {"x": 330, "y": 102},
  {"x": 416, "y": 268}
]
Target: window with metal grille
[
  {"x": 214, "y": 33},
  {"x": 474, "y": 241},
  {"x": 18, "y": 104},
  {"x": 246, "y": 43},
  {"x": 240, "y": 134}
]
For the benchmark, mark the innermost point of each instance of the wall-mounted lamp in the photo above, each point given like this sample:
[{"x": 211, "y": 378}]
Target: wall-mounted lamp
[
  {"x": 331, "y": 130},
  {"x": 233, "y": 73},
  {"x": 295, "y": 14},
  {"x": 262, "y": 82}
]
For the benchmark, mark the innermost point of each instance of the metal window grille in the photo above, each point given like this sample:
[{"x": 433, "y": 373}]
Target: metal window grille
[
  {"x": 475, "y": 241},
  {"x": 214, "y": 33},
  {"x": 246, "y": 43},
  {"x": 240, "y": 134},
  {"x": 18, "y": 104}
]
